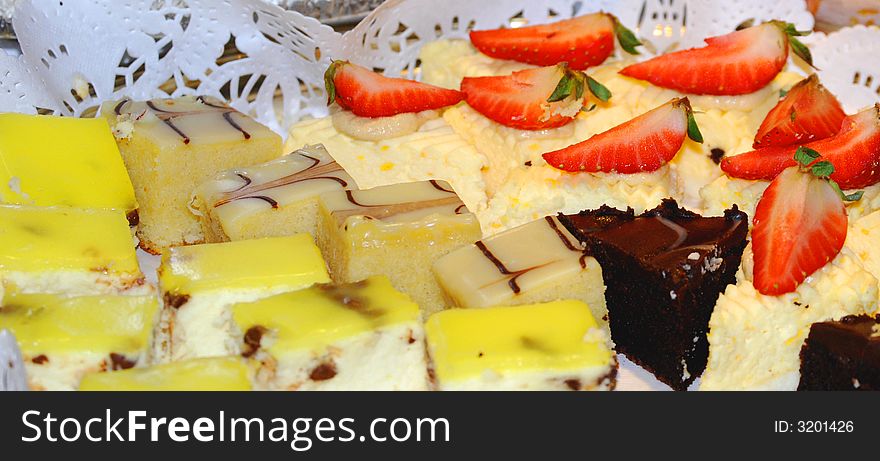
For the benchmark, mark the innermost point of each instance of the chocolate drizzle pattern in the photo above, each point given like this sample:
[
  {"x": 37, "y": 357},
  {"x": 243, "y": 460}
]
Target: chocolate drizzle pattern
[
  {"x": 516, "y": 274},
  {"x": 168, "y": 117},
  {"x": 386, "y": 210},
  {"x": 314, "y": 172}
]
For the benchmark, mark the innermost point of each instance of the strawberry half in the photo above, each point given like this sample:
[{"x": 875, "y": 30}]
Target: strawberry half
[
  {"x": 800, "y": 225},
  {"x": 532, "y": 99},
  {"x": 737, "y": 63},
  {"x": 854, "y": 151},
  {"x": 368, "y": 94},
  {"x": 582, "y": 42},
  {"x": 807, "y": 112},
  {"x": 644, "y": 143}
]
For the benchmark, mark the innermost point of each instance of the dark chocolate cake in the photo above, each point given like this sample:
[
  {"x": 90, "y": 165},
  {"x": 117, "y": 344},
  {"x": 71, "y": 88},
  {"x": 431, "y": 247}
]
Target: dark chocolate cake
[
  {"x": 842, "y": 355},
  {"x": 664, "y": 270}
]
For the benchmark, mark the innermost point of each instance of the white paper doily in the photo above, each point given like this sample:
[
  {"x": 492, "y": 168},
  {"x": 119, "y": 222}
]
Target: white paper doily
[
  {"x": 12, "y": 374},
  {"x": 78, "y": 54}
]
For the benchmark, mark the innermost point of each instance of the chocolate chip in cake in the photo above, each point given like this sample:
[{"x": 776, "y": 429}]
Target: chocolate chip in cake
[
  {"x": 252, "y": 338},
  {"x": 716, "y": 155},
  {"x": 39, "y": 360},
  {"x": 175, "y": 300},
  {"x": 120, "y": 362},
  {"x": 323, "y": 372}
]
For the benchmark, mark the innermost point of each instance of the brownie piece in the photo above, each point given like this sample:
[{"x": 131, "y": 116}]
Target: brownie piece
[
  {"x": 664, "y": 270},
  {"x": 842, "y": 355}
]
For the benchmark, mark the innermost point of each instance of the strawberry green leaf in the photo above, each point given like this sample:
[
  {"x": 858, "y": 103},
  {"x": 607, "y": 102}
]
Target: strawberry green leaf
[
  {"x": 855, "y": 196},
  {"x": 626, "y": 37},
  {"x": 569, "y": 84},
  {"x": 782, "y": 93},
  {"x": 693, "y": 131},
  {"x": 329, "y": 76},
  {"x": 805, "y": 156},
  {"x": 801, "y": 51},
  {"x": 822, "y": 169},
  {"x": 600, "y": 91},
  {"x": 746, "y": 24}
]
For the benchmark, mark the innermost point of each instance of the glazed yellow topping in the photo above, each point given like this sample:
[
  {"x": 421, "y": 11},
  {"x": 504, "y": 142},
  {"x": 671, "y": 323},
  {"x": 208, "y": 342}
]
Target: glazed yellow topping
[
  {"x": 293, "y": 262},
  {"x": 323, "y": 314},
  {"x": 34, "y": 239},
  {"x": 61, "y": 161},
  {"x": 206, "y": 374},
  {"x": 560, "y": 335},
  {"x": 47, "y": 324}
]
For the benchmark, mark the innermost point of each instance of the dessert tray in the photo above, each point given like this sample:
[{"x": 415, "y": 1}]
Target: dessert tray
[{"x": 169, "y": 49}]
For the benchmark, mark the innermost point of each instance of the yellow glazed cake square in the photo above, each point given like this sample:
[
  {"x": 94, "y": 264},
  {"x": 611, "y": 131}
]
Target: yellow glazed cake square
[
  {"x": 199, "y": 282},
  {"x": 62, "y": 161},
  {"x": 170, "y": 146},
  {"x": 397, "y": 231},
  {"x": 62, "y": 338},
  {"x": 207, "y": 374},
  {"x": 551, "y": 346},
  {"x": 357, "y": 336},
  {"x": 67, "y": 250}
]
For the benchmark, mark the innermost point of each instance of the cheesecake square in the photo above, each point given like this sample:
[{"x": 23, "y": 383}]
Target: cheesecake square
[
  {"x": 355, "y": 336},
  {"x": 205, "y": 374},
  {"x": 62, "y": 161},
  {"x": 170, "y": 146},
  {"x": 664, "y": 270},
  {"x": 397, "y": 231},
  {"x": 68, "y": 250},
  {"x": 536, "y": 262},
  {"x": 62, "y": 338},
  {"x": 200, "y": 282},
  {"x": 842, "y": 355},
  {"x": 550, "y": 346},
  {"x": 272, "y": 199}
]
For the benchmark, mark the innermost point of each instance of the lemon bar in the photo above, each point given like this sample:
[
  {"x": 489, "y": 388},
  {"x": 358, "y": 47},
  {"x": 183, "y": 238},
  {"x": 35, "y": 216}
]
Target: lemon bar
[
  {"x": 200, "y": 282},
  {"x": 398, "y": 231},
  {"x": 67, "y": 250},
  {"x": 205, "y": 374},
  {"x": 62, "y": 161},
  {"x": 358, "y": 336},
  {"x": 63, "y": 338},
  {"x": 536, "y": 262},
  {"x": 551, "y": 346},
  {"x": 276, "y": 198},
  {"x": 170, "y": 146}
]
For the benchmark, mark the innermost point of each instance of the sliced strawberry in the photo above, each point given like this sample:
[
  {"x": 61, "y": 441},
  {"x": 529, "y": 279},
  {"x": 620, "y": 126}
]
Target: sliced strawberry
[
  {"x": 807, "y": 112},
  {"x": 582, "y": 42},
  {"x": 368, "y": 94},
  {"x": 644, "y": 143},
  {"x": 737, "y": 63},
  {"x": 532, "y": 99},
  {"x": 854, "y": 151},
  {"x": 800, "y": 225}
]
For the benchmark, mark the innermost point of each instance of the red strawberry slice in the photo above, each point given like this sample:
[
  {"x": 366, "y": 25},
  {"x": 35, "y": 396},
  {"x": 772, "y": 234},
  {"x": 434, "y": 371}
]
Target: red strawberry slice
[
  {"x": 532, "y": 99},
  {"x": 737, "y": 63},
  {"x": 582, "y": 42},
  {"x": 800, "y": 225},
  {"x": 644, "y": 143},
  {"x": 368, "y": 94},
  {"x": 854, "y": 151},
  {"x": 807, "y": 112}
]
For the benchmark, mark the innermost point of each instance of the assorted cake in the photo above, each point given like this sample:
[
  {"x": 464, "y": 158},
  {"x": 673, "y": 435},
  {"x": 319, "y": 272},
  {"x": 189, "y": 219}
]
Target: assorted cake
[
  {"x": 550, "y": 346},
  {"x": 199, "y": 283},
  {"x": 664, "y": 270},
  {"x": 508, "y": 223},
  {"x": 170, "y": 146},
  {"x": 273, "y": 199},
  {"x": 62, "y": 161},
  {"x": 397, "y": 231},
  {"x": 533, "y": 263},
  {"x": 353, "y": 336},
  {"x": 67, "y": 250},
  {"x": 205, "y": 374},
  {"x": 62, "y": 338},
  {"x": 842, "y": 355}
]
